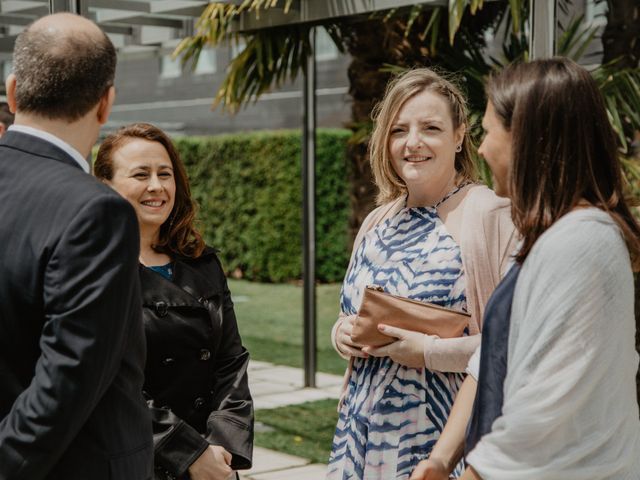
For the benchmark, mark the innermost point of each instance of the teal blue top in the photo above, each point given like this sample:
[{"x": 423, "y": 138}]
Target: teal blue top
[{"x": 165, "y": 270}]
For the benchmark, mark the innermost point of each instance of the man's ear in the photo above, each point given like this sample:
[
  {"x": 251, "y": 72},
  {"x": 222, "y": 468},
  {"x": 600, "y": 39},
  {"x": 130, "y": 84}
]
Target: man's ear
[
  {"x": 10, "y": 84},
  {"x": 2, "y": 129},
  {"x": 104, "y": 107}
]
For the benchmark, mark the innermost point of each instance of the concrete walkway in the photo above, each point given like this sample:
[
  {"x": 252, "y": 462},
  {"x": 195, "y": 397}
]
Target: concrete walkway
[{"x": 276, "y": 386}]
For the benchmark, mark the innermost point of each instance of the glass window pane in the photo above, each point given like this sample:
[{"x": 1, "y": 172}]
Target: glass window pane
[
  {"x": 206, "y": 62},
  {"x": 325, "y": 48},
  {"x": 596, "y": 12},
  {"x": 170, "y": 68}
]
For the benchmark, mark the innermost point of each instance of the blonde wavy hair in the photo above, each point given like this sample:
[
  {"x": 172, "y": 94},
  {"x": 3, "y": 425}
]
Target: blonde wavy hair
[{"x": 398, "y": 91}]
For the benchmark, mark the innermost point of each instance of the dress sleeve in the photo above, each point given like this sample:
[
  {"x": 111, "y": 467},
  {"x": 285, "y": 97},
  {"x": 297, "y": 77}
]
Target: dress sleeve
[
  {"x": 570, "y": 408},
  {"x": 230, "y": 424}
]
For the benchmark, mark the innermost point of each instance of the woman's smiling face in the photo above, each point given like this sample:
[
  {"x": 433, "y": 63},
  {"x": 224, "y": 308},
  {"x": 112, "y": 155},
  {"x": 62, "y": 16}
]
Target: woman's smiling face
[
  {"x": 423, "y": 142},
  {"x": 143, "y": 174}
]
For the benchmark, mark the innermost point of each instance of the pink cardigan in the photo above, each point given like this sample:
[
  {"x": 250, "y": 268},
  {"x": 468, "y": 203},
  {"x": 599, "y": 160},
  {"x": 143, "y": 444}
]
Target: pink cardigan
[{"x": 487, "y": 238}]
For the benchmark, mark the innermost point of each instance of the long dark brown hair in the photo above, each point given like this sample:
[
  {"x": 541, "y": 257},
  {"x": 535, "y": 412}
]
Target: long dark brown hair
[
  {"x": 178, "y": 235},
  {"x": 563, "y": 148}
]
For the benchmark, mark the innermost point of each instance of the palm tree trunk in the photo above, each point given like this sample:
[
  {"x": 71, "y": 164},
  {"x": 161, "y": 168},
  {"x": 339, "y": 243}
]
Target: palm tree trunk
[
  {"x": 366, "y": 88},
  {"x": 372, "y": 44},
  {"x": 621, "y": 37},
  {"x": 621, "y": 40}
]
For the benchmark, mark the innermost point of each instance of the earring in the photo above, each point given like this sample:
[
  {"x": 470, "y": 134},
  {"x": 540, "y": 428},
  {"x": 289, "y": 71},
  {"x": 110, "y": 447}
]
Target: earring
[{"x": 459, "y": 148}]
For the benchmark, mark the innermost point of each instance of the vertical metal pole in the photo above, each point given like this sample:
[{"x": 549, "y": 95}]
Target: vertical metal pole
[
  {"x": 309, "y": 216},
  {"x": 80, "y": 7},
  {"x": 542, "y": 20}
]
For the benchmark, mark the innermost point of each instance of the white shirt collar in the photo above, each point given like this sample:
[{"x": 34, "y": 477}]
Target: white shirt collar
[{"x": 73, "y": 153}]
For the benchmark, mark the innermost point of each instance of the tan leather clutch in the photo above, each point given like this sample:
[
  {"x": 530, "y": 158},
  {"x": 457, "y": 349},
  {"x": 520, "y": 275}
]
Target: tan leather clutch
[{"x": 381, "y": 307}]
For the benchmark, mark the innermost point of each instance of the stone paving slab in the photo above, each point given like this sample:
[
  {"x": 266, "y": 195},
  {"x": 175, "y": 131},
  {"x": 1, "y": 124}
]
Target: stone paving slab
[
  {"x": 260, "y": 388},
  {"x": 315, "y": 471},
  {"x": 280, "y": 374},
  {"x": 284, "y": 374},
  {"x": 265, "y": 461},
  {"x": 258, "y": 365},
  {"x": 292, "y": 398},
  {"x": 276, "y": 385}
]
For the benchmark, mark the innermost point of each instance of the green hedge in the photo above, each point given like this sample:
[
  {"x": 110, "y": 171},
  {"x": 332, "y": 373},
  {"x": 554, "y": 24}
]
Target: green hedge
[{"x": 249, "y": 190}]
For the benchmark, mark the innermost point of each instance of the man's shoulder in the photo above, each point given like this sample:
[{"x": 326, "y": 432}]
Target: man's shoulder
[
  {"x": 52, "y": 190},
  {"x": 51, "y": 176}
]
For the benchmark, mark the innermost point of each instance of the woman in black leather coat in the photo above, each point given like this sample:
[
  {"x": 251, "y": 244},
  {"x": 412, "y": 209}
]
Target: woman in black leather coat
[{"x": 196, "y": 372}]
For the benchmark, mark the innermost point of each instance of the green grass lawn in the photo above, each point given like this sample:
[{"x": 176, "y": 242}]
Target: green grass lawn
[
  {"x": 304, "y": 430},
  {"x": 270, "y": 322}
]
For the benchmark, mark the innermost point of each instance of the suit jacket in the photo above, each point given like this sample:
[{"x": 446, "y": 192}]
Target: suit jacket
[{"x": 72, "y": 345}]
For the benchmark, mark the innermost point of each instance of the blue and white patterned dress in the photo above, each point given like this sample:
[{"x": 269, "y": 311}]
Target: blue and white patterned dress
[{"x": 392, "y": 415}]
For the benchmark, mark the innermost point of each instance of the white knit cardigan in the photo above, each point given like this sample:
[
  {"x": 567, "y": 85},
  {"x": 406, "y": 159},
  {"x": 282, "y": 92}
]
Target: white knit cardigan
[{"x": 570, "y": 410}]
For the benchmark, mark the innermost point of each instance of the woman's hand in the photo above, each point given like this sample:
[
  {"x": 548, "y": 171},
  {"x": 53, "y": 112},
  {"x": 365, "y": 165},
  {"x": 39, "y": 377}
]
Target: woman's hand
[
  {"x": 343, "y": 338},
  {"x": 213, "y": 464},
  {"x": 407, "y": 350},
  {"x": 430, "y": 469}
]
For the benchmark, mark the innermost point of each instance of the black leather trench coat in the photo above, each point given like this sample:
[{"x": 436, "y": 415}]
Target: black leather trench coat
[{"x": 196, "y": 372}]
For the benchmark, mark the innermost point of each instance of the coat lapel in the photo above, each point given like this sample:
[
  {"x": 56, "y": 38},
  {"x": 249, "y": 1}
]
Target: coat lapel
[{"x": 156, "y": 288}]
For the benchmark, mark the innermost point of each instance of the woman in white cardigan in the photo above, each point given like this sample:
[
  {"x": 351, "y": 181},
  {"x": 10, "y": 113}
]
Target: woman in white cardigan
[
  {"x": 437, "y": 237},
  {"x": 556, "y": 396}
]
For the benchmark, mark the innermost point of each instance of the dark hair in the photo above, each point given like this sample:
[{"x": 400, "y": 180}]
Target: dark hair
[
  {"x": 6, "y": 117},
  {"x": 563, "y": 147},
  {"x": 62, "y": 76},
  {"x": 178, "y": 236}
]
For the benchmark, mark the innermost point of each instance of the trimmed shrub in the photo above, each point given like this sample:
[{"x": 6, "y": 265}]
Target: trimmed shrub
[{"x": 249, "y": 190}]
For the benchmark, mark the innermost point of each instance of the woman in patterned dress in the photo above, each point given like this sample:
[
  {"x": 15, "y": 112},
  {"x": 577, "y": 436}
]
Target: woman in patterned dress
[{"x": 436, "y": 237}]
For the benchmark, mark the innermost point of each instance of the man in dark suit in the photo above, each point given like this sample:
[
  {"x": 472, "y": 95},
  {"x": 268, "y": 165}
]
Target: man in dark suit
[{"x": 72, "y": 345}]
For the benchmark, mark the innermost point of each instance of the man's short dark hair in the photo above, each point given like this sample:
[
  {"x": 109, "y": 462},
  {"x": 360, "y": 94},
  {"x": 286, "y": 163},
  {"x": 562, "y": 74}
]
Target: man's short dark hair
[
  {"x": 62, "y": 76},
  {"x": 6, "y": 117}
]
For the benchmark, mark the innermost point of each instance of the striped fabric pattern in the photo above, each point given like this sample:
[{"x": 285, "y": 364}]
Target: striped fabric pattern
[{"x": 392, "y": 415}]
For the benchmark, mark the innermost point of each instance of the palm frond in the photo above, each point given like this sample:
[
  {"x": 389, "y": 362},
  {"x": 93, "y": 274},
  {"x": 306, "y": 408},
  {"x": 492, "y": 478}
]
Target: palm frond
[
  {"x": 214, "y": 24},
  {"x": 269, "y": 58},
  {"x": 575, "y": 39},
  {"x": 456, "y": 11},
  {"x": 621, "y": 90}
]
